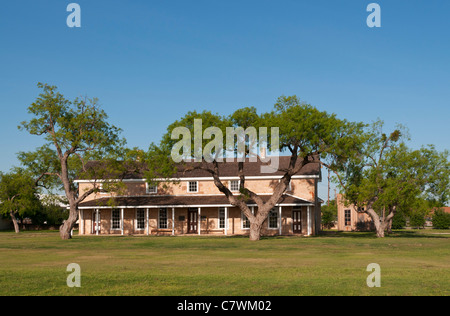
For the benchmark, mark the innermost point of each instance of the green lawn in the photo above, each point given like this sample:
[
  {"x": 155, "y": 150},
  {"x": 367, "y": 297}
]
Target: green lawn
[{"x": 412, "y": 263}]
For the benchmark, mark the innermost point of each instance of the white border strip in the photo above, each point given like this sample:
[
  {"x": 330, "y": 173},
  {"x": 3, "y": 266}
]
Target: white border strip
[
  {"x": 199, "y": 179},
  {"x": 183, "y": 206}
]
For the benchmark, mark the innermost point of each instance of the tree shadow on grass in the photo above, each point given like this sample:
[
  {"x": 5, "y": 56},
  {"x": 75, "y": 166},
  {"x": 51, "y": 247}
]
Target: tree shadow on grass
[
  {"x": 342, "y": 234},
  {"x": 394, "y": 234},
  {"x": 418, "y": 234}
]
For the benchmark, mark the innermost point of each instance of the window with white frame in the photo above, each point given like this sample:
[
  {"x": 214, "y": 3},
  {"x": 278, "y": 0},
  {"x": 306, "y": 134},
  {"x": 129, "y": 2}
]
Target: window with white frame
[
  {"x": 116, "y": 220},
  {"x": 192, "y": 186},
  {"x": 347, "y": 218},
  {"x": 221, "y": 217},
  {"x": 234, "y": 185},
  {"x": 140, "y": 219},
  {"x": 273, "y": 218},
  {"x": 245, "y": 222},
  {"x": 289, "y": 187},
  {"x": 162, "y": 218},
  {"x": 152, "y": 188}
]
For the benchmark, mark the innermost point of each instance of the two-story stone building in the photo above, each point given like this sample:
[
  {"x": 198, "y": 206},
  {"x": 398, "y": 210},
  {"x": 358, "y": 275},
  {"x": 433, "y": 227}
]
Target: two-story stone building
[{"x": 192, "y": 204}]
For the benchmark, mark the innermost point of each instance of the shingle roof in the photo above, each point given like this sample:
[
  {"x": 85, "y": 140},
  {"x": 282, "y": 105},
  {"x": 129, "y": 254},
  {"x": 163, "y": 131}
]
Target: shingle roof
[
  {"x": 446, "y": 209},
  {"x": 226, "y": 169},
  {"x": 180, "y": 201}
]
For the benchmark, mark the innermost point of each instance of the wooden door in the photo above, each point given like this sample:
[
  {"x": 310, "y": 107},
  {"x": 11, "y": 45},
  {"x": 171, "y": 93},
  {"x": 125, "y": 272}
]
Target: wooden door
[
  {"x": 192, "y": 221},
  {"x": 297, "y": 222}
]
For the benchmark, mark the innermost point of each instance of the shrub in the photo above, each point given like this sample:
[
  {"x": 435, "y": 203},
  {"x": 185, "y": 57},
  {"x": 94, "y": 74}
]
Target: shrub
[
  {"x": 398, "y": 221},
  {"x": 329, "y": 215},
  {"x": 441, "y": 220}
]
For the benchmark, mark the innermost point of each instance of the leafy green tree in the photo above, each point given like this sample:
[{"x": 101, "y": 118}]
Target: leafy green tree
[
  {"x": 419, "y": 210},
  {"x": 306, "y": 134},
  {"x": 53, "y": 210},
  {"x": 417, "y": 219},
  {"x": 386, "y": 176},
  {"x": 441, "y": 219},
  {"x": 398, "y": 220},
  {"x": 18, "y": 195},
  {"x": 329, "y": 214},
  {"x": 75, "y": 132}
]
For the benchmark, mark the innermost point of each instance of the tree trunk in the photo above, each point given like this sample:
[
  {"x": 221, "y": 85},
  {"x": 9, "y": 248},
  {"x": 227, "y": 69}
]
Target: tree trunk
[
  {"x": 389, "y": 226},
  {"x": 379, "y": 226},
  {"x": 380, "y": 230},
  {"x": 65, "y": 231},
  {"x": 255, "y": 231},
  {"x": 14, "y": 220}
]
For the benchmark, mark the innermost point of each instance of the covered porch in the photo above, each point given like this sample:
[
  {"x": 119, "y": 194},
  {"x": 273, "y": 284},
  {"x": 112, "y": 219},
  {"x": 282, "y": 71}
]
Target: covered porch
[{"x": 189, "y": 215}]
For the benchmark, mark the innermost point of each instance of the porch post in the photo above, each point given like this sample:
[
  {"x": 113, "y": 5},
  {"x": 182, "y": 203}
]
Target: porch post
[
  {"x": 96, "y": 222},
  {"x": 309, "y": 220},
  {"x": 146, "y": 221},
  {"x": 84, "y": 225},
  {"x": 279, "y": 216},
  {"x": 199, "y": 220},
  {"x": 121, "y": 220},
  {"x": 81, "y": 227},
  {"x": 226, "y": 221},
  {"x": 173, "y": 221}
]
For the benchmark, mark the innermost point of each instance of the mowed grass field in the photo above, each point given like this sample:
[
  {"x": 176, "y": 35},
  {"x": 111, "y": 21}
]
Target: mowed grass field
[{"x": 411, "y": 262}]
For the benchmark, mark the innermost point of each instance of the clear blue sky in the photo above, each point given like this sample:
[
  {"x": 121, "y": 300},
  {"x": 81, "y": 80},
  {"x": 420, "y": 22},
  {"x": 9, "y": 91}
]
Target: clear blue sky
[{"x": 149, "y": 62}]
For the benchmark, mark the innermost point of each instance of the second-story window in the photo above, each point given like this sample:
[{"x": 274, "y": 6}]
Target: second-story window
[
  {"x": 234, "y": 185},
  {"x": 152, "y": 188},
  {"x": 289, "y": 187},
  {"x": 100, "y": 188},
  {"x": 192, "y": 186}
]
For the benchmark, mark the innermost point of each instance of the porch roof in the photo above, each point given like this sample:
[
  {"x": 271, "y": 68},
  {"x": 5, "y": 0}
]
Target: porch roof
[{"x": 156, "y": 201}]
